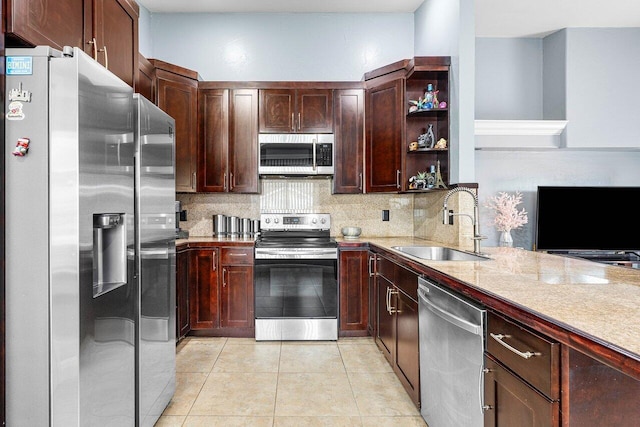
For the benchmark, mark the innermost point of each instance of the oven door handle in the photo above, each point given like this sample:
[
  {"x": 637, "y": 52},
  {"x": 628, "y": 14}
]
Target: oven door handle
[{"x": 331, "y": 253}]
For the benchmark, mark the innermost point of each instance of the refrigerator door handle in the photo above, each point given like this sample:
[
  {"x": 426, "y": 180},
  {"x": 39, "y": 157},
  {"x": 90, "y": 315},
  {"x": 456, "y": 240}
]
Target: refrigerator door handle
[{"x": 154, "y": 254}]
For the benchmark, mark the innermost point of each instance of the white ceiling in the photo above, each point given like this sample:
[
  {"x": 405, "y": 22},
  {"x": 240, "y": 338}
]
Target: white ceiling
[{"x": 494, "y": 18}]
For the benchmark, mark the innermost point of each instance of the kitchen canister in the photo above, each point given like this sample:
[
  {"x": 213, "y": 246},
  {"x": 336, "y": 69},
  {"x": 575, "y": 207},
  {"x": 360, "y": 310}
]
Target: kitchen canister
[
  {"x": 233, "y": 225},
  {"x": 255, "y": 226},
  {"x": 219, "y": 225},
  {"x": 245, "y": 227}
]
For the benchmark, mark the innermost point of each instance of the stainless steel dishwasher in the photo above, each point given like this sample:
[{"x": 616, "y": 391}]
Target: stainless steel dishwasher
[{"x": 452, "y": 332}]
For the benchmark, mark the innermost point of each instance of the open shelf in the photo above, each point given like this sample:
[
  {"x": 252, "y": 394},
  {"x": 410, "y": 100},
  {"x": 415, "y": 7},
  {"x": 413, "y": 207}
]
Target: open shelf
[
  {"x": 422, "y": 113},
  {"x": 423, "y": 150}
]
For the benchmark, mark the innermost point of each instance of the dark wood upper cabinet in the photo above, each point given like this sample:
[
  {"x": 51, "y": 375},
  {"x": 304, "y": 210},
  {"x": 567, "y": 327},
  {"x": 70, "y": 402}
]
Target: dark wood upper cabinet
[
  {"x": 296, "y": 111},
  {"x": 55, "y": 23},
  {"x": 177, "y": 95},
  {"x": 146, "y": 82},
  {"x": 385, "y": 117},
  {"x": 107, "y": 30},
  {"x": 348, "y": 108},
  {"x": 243, "y": 141},
  {"x": 391, "y": 128},
  {"x": 213, "y": 119},
  {"x": 113, "y": 41},
  {"x": 228, "y": 156}
]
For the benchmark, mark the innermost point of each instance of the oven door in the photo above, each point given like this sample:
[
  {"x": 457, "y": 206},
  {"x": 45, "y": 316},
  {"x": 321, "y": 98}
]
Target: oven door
[{"x": 296, "y": 299}]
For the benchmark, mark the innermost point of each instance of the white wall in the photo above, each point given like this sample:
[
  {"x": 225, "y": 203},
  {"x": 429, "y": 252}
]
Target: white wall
[
  {"x": 281, "y": 46},
  {"x": 447, "y": 28},
  {"x": 145, "y": 41},
  {"x": 508, "y": 78},
  {"x": 567, "y": 64},
  {"x": 524, "y": 171},
  {"x": 603, "y": 87}
]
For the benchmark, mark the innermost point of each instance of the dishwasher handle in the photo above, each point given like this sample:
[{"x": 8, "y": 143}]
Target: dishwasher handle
[{"x": 449, "y": 317}]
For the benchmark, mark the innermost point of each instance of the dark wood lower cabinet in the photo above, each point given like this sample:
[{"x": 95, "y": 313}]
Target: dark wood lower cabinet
[
  {"x": 203, "y": 289},
  {"x": 513, "y": 402},
  {"x": 407, "y": 344},
  {"x": 397, "y": 323},
  {"x": 354, "y": 292},
  {"x": 595, "y": 394},
  {"x": 221, "y": 292},
  {"x": 182, "y": 294},
  {"x": 372, "y": 323},
  {"x": 386, "y": 336}
]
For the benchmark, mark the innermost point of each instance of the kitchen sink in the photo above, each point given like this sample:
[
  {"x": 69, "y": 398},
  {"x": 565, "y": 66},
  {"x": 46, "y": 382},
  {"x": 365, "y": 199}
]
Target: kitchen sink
[{"x": 439, "y": 253}]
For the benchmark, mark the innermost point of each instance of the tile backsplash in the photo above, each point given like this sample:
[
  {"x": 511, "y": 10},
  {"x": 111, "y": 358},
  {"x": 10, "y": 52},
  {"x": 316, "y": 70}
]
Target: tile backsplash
[
  {"x": 303, "y": 195},
  {"x": 416, "y": 214}
]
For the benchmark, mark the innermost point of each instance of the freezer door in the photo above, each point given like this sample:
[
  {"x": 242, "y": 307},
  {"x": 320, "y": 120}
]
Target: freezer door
[
  {"x": 27, "y": 240},
  {"x": 93, "y": 288},
  {"x": 156, "y": 260}
]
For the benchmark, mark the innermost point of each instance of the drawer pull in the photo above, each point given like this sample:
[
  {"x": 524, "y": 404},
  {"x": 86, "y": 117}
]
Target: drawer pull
[
  {"x": 525, "y": 355},
  {"x": 237, "y": 254}
]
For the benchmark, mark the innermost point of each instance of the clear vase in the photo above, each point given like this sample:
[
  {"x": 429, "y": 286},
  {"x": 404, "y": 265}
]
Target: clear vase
[{"x": 505, "y": 239}]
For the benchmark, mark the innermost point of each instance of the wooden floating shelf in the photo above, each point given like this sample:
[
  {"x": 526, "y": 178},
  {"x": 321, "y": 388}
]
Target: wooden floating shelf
[
  {"x": 422, "y": 150},
  {"x": 426, "y": 112}
]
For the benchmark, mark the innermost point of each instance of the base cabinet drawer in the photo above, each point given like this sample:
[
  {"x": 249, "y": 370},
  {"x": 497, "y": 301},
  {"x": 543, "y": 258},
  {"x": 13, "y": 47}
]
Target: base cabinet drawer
[
  {"x": 531, "y": 356},
  {"x": 512, "y": 402}
]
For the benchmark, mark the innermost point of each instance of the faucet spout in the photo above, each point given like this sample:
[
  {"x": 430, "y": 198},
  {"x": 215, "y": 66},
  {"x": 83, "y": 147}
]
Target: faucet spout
[{"x": 474, "y": 219}]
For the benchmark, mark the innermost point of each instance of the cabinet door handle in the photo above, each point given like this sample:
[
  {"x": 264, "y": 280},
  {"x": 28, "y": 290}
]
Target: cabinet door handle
[
  {"x": 106, "y": 56},
  {"x": 398, "y": 178},
  {"x": 93, "y": 44},
  {"x": 224, "y": 185},
  {"x": 392, "y": 309},
  {"x": 299, "y": 122},
  {"x": 293, "y": 123},
  {"x": 232, "y": 182},
  {"x": 224, "y": 279},
  {"x": 370, "y": 266},
  {"x": 388, "y": 301},
  {"x": 524, "y": 355},
  {"x": 214, "y": 265},
  {"x": 193, "y": 181},
  {"x": 361, "y": 182}
]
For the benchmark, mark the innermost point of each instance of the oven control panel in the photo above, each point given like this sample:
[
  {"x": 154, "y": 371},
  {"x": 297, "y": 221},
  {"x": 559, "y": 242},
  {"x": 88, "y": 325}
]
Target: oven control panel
[{"x": 293, "y": 221}]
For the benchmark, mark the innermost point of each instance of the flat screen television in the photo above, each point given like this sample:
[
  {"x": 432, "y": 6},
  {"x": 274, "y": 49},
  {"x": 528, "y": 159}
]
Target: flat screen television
[{"x": 588, "y": 219}]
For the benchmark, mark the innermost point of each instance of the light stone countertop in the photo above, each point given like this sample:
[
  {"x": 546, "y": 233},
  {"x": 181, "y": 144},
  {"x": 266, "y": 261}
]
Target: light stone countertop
[
  {"x": 595, "y": 300},
  {"x": 592, "y": 299}
]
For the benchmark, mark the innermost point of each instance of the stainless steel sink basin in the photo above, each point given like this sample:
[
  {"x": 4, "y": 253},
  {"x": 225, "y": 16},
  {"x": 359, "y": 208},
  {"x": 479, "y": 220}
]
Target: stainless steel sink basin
[{"x": 439, "y": 253}]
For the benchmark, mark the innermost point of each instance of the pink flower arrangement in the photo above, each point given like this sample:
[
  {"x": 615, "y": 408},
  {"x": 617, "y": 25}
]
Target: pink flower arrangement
[{"x": 508, "y": 217}]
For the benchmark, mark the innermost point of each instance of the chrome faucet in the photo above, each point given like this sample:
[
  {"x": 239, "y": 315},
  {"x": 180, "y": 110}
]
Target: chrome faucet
[{"x": 448, "y": 215}]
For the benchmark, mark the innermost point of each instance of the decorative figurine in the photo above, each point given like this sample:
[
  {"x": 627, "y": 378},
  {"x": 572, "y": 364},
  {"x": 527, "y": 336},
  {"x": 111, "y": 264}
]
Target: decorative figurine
[
  {"x": 439, "y": 182},
  {"x": 441, "y": 144},
  {"x": 422, "y": 141},
  {"x": 431, "y": 138}
]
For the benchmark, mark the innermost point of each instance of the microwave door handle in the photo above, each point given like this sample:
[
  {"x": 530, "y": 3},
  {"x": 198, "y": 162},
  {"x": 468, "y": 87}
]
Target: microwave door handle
[{"x": 314, "y": 155}]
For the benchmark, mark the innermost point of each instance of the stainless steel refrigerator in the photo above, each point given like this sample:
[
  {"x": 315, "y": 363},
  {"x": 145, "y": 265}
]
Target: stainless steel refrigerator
[
  {"x": 156, "y": 260},
  {"x": 73, "y": 317}
]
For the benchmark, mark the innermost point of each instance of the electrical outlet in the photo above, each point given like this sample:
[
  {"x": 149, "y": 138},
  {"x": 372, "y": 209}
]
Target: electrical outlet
[
  {"x": 385, "y": 214},
  {"x": 450, "y": 217},
  {"x": 183, "y": 215}
]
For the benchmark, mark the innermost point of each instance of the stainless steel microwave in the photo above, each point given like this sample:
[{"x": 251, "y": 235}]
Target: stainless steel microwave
[{"x": 296, "y": 154}]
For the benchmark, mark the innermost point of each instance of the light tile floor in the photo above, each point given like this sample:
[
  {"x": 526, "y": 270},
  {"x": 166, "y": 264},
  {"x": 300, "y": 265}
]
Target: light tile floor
[{"x": 240, "y": 382}]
